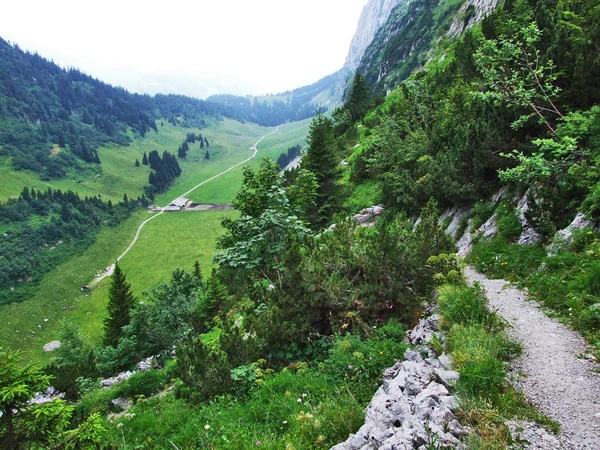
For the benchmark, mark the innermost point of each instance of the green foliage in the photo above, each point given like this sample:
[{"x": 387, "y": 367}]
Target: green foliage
[
  {"x": 75, "y": 112},
  {"x": 517, "y": 73},
  {"x": 477, "y": 355},
  {"x": 359, "y": 363},
  {"x": 268, "y": 225},
  {"x": 500, "y": 259},
  {"x": 73, "y": 360},
  {"x": 143, "y": 384},
  {"x": 446, "y": 268},
  {"x": 509, "y": 225},
  {"x": 465, "y": 306},
  {"x": 25, "y": 425},
  {"x": 480, "y": 212},
  {"x": 204, "y": 372},
  {"x": 322, "y": 160}
]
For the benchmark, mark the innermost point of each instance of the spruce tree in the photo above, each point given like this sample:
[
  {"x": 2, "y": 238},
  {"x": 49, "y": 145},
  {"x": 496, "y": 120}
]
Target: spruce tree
[
  {"x": 120, "y": 302},
  {"x": 145, "y": 159},
  {"x": 322, "y": 161},
  {"x": 358, "y": 100}
]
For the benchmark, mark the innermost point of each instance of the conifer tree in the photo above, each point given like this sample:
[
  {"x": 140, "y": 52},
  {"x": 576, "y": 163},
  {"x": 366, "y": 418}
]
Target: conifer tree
[
  {"x": 145, "y": 159},
  {"x": 321, "y": 160},
  {"x": 197, "y": 271},
  {"x": 120, "y": 302},
  {"x": 358, "y": 100}
]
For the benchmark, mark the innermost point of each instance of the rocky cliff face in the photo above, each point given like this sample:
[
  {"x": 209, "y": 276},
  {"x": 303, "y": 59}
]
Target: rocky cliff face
[
  {"x": 410, "y": 35},
  {"x": 471, "y": 13},
  {"x": 374, "y": 14}
]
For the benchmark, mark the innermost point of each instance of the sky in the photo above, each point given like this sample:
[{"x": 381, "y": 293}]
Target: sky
[{"x": 194, "y": 47}]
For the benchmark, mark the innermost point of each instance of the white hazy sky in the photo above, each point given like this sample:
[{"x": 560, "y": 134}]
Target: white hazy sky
[{"x": 197, "y": 47}]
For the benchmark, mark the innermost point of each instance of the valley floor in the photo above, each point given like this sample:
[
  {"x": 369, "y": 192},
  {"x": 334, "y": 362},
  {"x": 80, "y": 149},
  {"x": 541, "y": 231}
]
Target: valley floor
[{"x": 555, "y": 377}]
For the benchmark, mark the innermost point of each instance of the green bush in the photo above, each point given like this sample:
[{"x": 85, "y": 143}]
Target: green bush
[
  {"x": 142, "y": 383},
  {"x": 480, "y": 213},
  {"x": 509, "y": 225}
]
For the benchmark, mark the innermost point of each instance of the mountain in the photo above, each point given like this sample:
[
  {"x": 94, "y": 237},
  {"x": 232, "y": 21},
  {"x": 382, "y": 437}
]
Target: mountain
[
  {"x": 289, "y": 106},
  {"x": 411, "y": 35},
  {"x": 374, "y": 14},
  {"x": 43, "y": 106}
]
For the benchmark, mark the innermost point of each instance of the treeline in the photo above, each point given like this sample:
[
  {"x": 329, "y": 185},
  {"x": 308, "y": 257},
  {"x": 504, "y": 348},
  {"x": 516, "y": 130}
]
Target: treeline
[
  {"x": 191, "y": 138},
  {"x": 267, "y": 113},
  {"x": 41, "y": 220},
  {"x": 42, "y": 105},
  {"x": 285, "y": 158}
]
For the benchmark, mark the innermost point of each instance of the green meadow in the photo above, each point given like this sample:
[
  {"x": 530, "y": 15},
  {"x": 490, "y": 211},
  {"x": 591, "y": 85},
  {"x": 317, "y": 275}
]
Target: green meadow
[{"x": 171, "y": 241}]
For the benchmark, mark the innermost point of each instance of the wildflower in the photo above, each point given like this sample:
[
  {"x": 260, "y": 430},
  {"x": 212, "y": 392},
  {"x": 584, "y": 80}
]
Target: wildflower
[
  {"x": 285, "y": 422},
  {"x": 349, "y": 367},
  {"x": 299, "y": 400},
  {"x": 206, "y": 427},
  {"x": 258, "y": 443},
  {"x": 304, "y": 395}
]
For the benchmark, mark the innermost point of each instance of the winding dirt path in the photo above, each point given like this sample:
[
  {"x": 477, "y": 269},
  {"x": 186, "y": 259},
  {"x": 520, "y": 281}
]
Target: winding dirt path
[
  {"x": 557, "y": 380},
  {"x": 108, "y": 273}
]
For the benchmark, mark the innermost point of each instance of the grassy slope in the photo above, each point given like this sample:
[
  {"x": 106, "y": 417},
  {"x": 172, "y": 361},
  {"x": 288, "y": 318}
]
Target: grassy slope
[{"x": 171, "y": 241}]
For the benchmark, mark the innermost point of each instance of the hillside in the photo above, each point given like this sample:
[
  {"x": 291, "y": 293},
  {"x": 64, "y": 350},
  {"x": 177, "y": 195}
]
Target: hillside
[{"x": 470, "y": 134}]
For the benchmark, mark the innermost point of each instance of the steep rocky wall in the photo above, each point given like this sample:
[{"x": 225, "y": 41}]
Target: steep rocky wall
[{"x": 374, "y": 14}]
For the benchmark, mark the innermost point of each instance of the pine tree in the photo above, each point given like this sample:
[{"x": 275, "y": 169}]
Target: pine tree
[
  {"x": 120, "y": 302},
  {"x": 145, "y": 159},
  {"x": 207, "y": 155},
  {"x": 137, "y": 163}
]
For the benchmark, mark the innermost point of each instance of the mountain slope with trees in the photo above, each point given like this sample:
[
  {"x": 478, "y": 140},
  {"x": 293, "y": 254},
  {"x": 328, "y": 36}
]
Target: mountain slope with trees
[
  {"x": 290, "y": 106},
  {"x": 52, "y": 118}
]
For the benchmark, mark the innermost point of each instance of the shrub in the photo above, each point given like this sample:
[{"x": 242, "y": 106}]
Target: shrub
[
  {"x": 509, "y": 225},
  {"x": 480, "y": 213}
]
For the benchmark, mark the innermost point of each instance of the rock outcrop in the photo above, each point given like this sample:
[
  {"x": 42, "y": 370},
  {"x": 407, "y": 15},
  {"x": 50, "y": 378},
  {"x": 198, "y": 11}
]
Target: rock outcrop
[
  {"x": 414, "y": 406},
  {"x": 374, "y": 14},
  {"x": 368, "y": 217},
  {"x": 470, "y": 13}
]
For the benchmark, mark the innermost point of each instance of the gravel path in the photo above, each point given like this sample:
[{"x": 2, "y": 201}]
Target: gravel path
[{"x": 561, "y": 384}]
